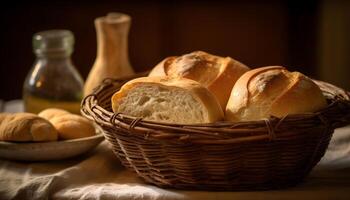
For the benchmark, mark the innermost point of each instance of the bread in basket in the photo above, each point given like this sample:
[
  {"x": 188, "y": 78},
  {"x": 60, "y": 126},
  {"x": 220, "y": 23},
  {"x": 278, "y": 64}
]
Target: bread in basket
[{"x": 259, "y": 155}]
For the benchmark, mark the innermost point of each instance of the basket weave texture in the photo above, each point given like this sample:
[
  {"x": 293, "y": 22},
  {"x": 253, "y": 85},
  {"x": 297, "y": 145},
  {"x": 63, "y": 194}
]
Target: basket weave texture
[{"x": 257, "y": 155}]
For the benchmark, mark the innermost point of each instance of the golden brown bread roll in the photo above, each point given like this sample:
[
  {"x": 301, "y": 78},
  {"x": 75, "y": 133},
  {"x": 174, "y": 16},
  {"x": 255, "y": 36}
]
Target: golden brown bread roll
[
  {"x": 218, "y": 74},
  {"x": 50, "y": 113},
  {"x": 69, "y": 126},
  {"x": 25, "y": 127},
  {"x": 175, "y": 100},
  {"x": 273, "y": 91}
]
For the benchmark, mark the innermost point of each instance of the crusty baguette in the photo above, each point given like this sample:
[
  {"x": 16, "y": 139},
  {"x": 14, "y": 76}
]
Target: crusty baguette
[
  {"x": 25, "y": 127},
  {"x": 273, "y": 91},
  {"x": 216, "y": 73},
  {"x": 175, "y": 100}
]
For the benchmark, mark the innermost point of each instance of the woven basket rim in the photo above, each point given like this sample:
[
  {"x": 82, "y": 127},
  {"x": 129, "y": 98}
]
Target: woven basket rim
[{"x": 336, "y": 114}]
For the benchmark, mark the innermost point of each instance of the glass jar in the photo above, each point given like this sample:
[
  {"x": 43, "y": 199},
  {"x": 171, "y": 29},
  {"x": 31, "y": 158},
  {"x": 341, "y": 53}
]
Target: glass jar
[{"x": 53, "y": 80}]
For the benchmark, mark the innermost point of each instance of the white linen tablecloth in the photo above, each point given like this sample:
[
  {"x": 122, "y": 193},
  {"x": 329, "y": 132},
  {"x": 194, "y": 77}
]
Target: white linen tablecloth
[{"x": 99, "y": 175}]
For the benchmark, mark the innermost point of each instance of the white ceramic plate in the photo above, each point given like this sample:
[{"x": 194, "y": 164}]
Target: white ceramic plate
[{"x": 40, "y": 151}]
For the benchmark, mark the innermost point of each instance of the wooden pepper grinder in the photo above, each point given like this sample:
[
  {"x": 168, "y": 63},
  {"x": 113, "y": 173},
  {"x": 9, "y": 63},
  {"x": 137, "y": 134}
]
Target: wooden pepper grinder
[{"x": 112, "y": 58}]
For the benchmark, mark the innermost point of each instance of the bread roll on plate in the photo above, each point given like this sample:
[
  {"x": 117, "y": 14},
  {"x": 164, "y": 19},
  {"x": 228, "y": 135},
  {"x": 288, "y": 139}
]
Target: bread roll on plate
[
  {"x": 68, "y": 125},
  {"x": 273, "y": 91},
  {"x": 165, "y": 99},
  {"x": 218, "y": 74},
  {"x": 50, "y": 113},
  {"x": 25, "y": 127}
]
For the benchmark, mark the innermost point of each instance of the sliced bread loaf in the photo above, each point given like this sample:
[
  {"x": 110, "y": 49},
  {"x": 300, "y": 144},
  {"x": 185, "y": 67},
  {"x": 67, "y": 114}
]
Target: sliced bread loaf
[{"x": 175, "y": 100}]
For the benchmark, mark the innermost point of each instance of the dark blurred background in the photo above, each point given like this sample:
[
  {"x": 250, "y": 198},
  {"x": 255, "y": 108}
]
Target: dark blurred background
[{"x": 308, "y": 36}]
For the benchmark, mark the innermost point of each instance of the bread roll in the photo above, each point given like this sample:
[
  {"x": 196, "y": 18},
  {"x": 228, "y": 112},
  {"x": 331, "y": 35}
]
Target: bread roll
[
  {"x": 69, "y": 126},
  {"x": 175, "y": 100},
  {"x": 218, "y": 74},
  {"x": 273, "y": 91},
  {"x": 25, "y": 127},
  {"x": 50, "y": 113}
]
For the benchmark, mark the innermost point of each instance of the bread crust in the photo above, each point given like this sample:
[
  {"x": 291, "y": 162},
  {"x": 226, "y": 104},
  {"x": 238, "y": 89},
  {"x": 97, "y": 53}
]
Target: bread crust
[
  {"x": 216, "y": 73},
  {"x": 50, "y": 113},
  {"x": 288, "y": 92},
  {"x": 68, "y": 125},
  {"x": 25, "y": 127},
  {"x": 71, "y": 126}
]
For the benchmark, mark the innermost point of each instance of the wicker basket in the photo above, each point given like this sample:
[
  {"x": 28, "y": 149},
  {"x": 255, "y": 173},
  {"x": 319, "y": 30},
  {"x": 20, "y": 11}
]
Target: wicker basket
[{"x": 256, "y": 155}]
